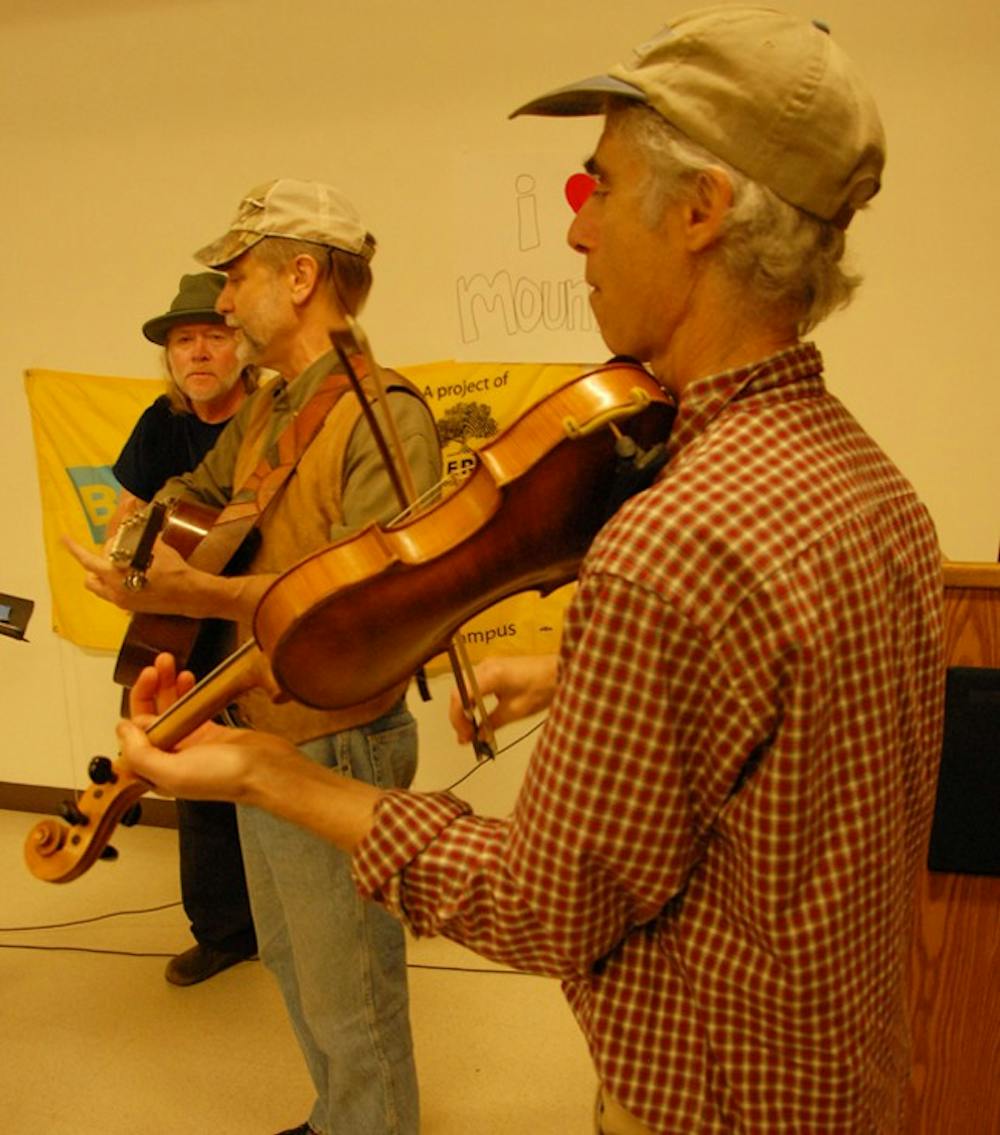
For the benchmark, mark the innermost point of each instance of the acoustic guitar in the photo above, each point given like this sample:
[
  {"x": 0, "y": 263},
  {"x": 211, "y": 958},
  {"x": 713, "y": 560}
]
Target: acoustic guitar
[{"x": 189, "y": 528}]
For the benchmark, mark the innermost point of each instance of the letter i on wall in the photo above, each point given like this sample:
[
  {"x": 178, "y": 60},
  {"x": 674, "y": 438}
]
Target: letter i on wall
[{"x": 527, "y": 213}]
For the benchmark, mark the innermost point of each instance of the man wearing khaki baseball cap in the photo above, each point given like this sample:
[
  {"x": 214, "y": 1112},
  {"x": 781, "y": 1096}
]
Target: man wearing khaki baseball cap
[
  {"x": 293, "y": 210},
  {"x": 296, "y": 258},
  {"x": 770, "y": 94},
  {"x": 717, "y": 838}
]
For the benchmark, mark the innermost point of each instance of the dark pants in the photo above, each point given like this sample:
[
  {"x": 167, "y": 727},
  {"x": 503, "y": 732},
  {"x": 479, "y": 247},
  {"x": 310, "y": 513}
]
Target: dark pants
[{"x": 213, "y": 886}]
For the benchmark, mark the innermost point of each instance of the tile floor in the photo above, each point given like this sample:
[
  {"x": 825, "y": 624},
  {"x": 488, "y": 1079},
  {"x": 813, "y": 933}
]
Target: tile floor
[{"x": 95, "y": 1042}]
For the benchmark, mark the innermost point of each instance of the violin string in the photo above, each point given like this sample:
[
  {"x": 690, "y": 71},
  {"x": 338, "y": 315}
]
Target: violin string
[{"x": 432, "y": 495}]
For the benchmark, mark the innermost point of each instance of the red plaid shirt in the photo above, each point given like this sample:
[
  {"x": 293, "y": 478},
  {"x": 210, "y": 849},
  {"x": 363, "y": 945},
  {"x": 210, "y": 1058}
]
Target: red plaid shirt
[{"x": 716, "y": 839}]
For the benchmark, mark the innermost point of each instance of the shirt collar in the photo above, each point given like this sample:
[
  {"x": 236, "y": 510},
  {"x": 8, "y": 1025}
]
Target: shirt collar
[
  {"x": 292, "y": 393},
  {"x": 706, "y": 398}
]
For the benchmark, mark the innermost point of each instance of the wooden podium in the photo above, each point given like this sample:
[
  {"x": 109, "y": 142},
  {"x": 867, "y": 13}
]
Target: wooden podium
[{"x": 955, "y": 968}]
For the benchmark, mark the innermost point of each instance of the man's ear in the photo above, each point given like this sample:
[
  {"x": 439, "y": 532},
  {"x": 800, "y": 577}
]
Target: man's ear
[
  {"x": 711, "y": 198},
  {"x": 303, "y": 273}
]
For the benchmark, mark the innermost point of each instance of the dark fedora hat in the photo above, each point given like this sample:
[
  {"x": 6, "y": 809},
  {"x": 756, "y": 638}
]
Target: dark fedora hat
[{"x": 194, "y": 303}]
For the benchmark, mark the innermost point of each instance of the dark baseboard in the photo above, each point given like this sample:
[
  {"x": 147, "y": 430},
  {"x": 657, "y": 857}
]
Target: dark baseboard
[{"x": 156, "y": 813}]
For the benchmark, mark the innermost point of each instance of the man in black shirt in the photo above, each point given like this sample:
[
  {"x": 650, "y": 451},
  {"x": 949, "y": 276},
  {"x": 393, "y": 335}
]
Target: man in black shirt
[{"x": 206, "y": 383}]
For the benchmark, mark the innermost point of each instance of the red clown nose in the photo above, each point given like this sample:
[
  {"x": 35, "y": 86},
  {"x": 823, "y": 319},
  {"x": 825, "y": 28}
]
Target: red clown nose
[{"x": 579, "y": 187}]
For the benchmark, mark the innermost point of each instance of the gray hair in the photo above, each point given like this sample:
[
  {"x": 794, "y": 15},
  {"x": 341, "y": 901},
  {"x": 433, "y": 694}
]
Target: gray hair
[
  {"x": 347, "y": 274},
  {"x": 787, "y": 261}
]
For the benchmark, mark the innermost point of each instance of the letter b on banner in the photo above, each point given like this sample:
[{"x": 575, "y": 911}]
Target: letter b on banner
[{"x": 97, "y": 490}]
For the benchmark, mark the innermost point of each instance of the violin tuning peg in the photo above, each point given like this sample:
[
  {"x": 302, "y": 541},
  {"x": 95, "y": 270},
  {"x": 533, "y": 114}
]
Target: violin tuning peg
[
  {"x": 109, "y": 853},
  {"x": 101, "y": 771},
  {"x": 132, "y": 816},
  {"x": 72, "y": 814}
]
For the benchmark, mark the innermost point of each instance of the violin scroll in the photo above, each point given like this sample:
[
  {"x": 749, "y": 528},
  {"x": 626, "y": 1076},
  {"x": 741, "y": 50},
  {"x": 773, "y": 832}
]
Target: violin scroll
[{"x": 58, "y": 851}]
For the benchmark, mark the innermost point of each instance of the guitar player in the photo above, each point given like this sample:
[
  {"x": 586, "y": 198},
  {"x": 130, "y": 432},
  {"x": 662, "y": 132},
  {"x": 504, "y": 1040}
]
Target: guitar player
[{"x": 206, "y": 382}]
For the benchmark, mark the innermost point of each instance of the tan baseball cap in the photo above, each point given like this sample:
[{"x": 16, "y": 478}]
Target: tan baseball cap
[
  {"x": 771, "y": 94},
  {"x": 301, "y": 210}
]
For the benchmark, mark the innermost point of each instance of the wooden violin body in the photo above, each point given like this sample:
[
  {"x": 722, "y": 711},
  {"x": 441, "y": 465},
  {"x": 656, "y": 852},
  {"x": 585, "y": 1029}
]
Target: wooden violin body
[{"x": 366, "y": 612}]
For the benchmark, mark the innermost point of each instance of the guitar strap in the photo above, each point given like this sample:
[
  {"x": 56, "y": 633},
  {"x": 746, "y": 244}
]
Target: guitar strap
[{"x": 260, "y": 488}]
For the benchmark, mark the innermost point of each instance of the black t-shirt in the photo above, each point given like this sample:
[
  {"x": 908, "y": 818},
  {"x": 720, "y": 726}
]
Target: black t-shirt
[{"x": 163, "y": 445}]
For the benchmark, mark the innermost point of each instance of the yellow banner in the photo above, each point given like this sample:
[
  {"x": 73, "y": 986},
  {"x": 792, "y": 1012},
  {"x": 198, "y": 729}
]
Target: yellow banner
[
  {"x": 80, "y": 423},
  {"x": 472, "y": 403}
]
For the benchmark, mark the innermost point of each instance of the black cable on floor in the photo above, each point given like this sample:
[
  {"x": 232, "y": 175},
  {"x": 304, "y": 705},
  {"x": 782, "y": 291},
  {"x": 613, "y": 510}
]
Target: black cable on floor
[
  {"x": 95, "y": 918},
  {"x": 475, "y": 768},
  {"x": 86, "y": 950},
  {"x": 169, "y": 905},
  {"x": 158, "y": 954}
]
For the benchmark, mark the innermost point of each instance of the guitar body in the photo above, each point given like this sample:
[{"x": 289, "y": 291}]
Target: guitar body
[{"x": 196, "y": 644}]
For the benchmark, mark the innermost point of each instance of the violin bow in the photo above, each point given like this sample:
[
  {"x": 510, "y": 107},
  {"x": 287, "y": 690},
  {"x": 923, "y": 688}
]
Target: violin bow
[{"x": 349, "y": 339}]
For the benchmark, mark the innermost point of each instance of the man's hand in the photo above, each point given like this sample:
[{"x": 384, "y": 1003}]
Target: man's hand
[
  {"x": 522, "y": 686},
  {"x": 158, "y": 687},
  {"x": 171, "y": 585},
  {"x": 251, "y": 768},
  {"x": 155, "y": 691},
  {"x": 213, "y": 763},
  {"x": 178, "y": 773}
]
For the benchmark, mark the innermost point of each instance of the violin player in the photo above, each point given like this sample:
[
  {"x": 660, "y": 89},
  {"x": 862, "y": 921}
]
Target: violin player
[
  {"x": 715, "y": 845},
  {"x": 297, "y": 260}
]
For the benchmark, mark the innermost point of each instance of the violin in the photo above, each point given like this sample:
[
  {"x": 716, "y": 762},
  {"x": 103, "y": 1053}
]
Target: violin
[
  {"x": 348, "y": 622},
  {"x": 368, "y": 610}
]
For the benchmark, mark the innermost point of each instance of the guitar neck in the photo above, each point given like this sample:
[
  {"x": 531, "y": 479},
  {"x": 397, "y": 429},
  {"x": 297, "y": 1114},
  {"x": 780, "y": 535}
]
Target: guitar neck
[{"x": 241, "y": 671}]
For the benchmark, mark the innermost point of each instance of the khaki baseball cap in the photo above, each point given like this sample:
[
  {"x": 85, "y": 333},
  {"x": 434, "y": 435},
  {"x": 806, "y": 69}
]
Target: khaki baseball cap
[
  {"x": 771, "y": 94},
  {"x": 301, "y": 210},
  {"x": 194, "y": 303}
]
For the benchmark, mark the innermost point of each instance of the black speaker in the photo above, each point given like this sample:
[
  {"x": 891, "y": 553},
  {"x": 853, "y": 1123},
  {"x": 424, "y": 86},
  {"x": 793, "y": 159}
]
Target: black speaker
[{"x": 965, "y": 837}]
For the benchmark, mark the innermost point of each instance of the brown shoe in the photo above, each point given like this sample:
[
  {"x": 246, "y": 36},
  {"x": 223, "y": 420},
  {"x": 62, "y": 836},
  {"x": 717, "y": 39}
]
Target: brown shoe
[{"x": 200, "y": 963}]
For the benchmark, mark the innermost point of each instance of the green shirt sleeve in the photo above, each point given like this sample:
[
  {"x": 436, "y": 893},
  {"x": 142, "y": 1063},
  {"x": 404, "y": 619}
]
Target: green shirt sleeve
[{"x": 367, "y": 488}]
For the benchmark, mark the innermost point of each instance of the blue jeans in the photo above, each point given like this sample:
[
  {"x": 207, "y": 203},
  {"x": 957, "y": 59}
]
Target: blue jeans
[{"x": 340, "y": 961}]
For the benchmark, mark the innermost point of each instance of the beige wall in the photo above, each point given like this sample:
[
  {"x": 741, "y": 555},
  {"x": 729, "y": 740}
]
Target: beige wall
[{"x": 130, "y": 128}]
